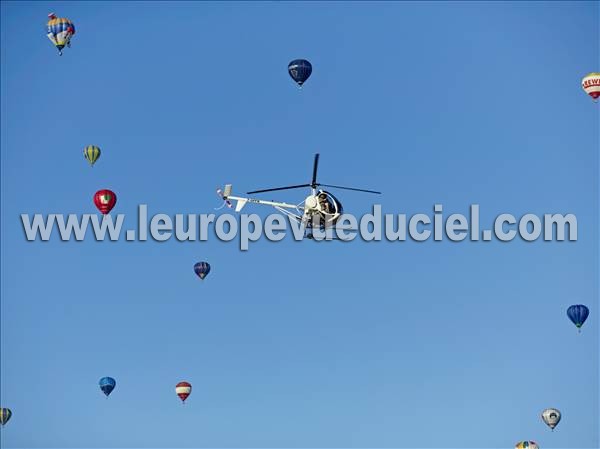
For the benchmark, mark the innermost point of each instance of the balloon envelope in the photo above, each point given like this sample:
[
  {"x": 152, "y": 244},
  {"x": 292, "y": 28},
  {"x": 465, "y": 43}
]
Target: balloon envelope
[
  {"x": 107, "y": 385},
  {"x": 59, "y": 30},
  {"x": 183, "y": 390},
  {"x": 202, "y": 269},
  {"x": 527, "y": 445},
  {"x": 578, "y": 313},
  {"x": 551, "y": 417},
  {"x": 5, "y": 415},
  {"x": 300, "y": 70},
  {"x": 91, "y": 154},
  {"x": 591, "y": 85},
  {"x": 105, "y": 200}
]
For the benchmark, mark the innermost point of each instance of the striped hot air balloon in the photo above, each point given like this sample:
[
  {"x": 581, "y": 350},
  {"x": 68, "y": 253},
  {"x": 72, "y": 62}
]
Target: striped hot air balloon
[
  {"x": 591, "y": 85},
  {"x": 59, "y": 31},
  {"x": 183, "y": 390},
  {"x": 91, "y": 154},
  {"x": 5, "y": 415}
]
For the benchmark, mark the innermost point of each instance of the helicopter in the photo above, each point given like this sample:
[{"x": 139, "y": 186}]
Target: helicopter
[{"x": 320, "y": 206}]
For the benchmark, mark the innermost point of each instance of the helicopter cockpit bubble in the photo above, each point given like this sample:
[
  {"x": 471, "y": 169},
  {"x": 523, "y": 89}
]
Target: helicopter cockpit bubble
[{"x": 327, "y": 211}]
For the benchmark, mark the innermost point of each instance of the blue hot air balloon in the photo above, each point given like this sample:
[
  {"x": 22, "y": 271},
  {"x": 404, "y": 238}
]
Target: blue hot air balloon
[
  {"x": 107, "y": 385},
  {"x": 300, "y": 70},
  {"x": 578, "y": 313},
  {"x": 202, "y": 269}
]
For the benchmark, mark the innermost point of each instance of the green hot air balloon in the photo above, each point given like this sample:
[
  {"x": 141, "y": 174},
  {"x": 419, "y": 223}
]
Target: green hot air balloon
[{"x": 91, "y": 154}]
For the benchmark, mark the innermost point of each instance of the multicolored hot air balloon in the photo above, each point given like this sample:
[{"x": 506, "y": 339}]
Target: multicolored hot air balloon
[
  {"x": 107, "y": 385},
  {"x": 591, "y": 85},
  {"x": 105, "y": 200},
  {"x": 527, "y": 445},
  {"x": 578, "y": 313},
  {"x": 202, "y": 269},
  {"x": 300, "y": 70},
  {"x": 551, "y": 417},
  {"x": 59, "y": 31},
  {"x": 183, "y": 390},
  {"x": 91, "y": 153},
  {"x": 5, "y": 415}
]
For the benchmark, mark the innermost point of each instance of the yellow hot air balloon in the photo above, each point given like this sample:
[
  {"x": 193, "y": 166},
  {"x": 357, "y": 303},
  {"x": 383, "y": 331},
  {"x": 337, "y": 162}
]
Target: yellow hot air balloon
[
  {"x": 91, "y": 153},
  {"x": 591, "y": 85}
]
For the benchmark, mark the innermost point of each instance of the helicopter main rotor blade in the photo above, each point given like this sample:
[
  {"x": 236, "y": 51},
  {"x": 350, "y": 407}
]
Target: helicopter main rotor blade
[
  {"x": 350, "y": 188},
  {"x": 278, "y": 188},
  {"x": 315, "y": 166}
]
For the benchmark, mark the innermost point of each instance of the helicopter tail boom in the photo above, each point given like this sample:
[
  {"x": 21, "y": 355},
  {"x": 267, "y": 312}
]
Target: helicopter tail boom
[{"x": 225, "y": 194}]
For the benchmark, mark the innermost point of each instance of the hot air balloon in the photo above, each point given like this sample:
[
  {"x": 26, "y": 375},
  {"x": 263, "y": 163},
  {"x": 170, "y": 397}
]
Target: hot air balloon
[
  {"x": 105, "y": 200},
  {"x": 59, "y": 31},
  {"x": 202, "y": 269},
  {"x": 183, "y": 390},
  {"x": 527, "y": 445},
  {"x": 300, "y": 70},
  {"x": 5, "y": 415},
  {"x": 91, "y": 153},
  {"x": 551, "y": 417},
  {"x": 107, "y": 385},
  {"x": 578, "y": 313},
  {"x": 591, "y": 85}
]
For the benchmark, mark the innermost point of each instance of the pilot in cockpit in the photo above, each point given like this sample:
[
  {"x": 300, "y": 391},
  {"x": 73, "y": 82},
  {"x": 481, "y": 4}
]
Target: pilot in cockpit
[{"x": 324, "y": 203}]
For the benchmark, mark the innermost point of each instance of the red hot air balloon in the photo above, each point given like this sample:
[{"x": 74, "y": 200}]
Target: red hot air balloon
[
  {"x": 183, "y": 390},
  {"x": 105, "y": 200}
]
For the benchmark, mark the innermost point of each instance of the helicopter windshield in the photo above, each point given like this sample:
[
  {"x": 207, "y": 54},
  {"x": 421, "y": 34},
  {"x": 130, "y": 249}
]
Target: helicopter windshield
[{"x": 334, "y": 205}]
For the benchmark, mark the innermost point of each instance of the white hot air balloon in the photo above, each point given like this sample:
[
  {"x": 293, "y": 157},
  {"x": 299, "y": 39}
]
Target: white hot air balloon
[
  {"x": 551, "y": 417},
  {"x": 591, "y": 85}
]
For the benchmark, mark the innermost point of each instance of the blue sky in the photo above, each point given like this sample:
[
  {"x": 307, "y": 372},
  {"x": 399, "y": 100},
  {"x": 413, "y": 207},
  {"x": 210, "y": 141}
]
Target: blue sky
[{"x": 300, "y": 344}]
